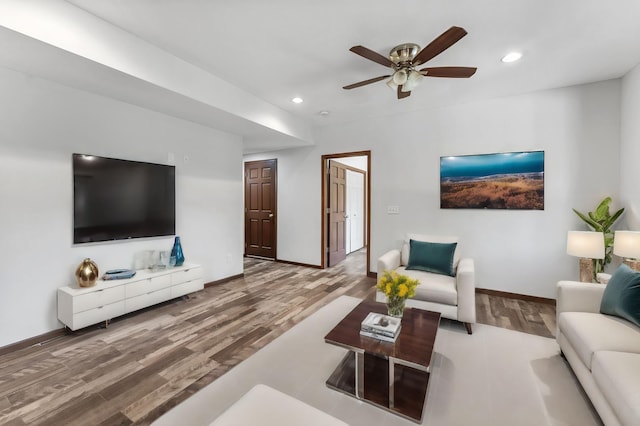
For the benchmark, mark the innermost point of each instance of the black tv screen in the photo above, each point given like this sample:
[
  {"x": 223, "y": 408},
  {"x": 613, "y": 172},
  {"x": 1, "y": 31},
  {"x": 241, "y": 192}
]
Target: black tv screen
[{"x": 120, "y": 199}]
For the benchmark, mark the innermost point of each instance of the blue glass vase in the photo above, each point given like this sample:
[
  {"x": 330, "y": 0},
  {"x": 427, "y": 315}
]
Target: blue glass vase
[{"x": 176, "y": 252}]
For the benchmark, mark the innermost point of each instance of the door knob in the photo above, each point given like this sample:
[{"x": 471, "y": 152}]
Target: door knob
[{"x": 270, "y": 214}]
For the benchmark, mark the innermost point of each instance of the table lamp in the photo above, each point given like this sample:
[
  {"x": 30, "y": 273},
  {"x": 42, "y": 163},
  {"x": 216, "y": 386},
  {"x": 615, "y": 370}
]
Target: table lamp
[
  {"x": 626, "y": 244},
  {"x": 586, "y": 245}
]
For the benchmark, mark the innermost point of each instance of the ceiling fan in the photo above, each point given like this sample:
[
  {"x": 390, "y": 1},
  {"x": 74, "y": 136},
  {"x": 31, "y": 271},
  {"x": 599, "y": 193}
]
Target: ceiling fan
[{"x": 403, "y": 60}]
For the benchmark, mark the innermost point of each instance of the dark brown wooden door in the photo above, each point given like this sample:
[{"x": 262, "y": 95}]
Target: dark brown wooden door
[
  {"x": 337, "y": 213},
  {"x": 260, "y": 208}
]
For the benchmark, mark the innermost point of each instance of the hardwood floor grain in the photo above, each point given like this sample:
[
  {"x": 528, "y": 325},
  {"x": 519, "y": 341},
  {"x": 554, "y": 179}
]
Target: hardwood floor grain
[
  {"x": 145, "y": 363},
  {"x": 520, "y": 315}
]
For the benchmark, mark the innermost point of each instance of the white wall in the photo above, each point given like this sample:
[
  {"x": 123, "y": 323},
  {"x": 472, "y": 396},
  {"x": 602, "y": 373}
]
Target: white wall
[
  {"x": 41, "y": 125},
  {"x": 298, "y": 203},
  {"x": 630, "y": 150},
  {"x": 359, "y": 163},
  {"x": 515, "y": 251}
]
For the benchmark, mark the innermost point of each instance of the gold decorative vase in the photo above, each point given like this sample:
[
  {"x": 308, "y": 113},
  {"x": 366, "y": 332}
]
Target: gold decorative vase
[{"x": 87, "y": 273}]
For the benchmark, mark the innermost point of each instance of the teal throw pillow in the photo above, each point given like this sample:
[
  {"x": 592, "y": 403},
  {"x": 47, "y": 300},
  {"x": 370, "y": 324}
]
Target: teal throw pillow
[
  {"x": 621, "y": 297},
  {"x": 431, "y": 257}
]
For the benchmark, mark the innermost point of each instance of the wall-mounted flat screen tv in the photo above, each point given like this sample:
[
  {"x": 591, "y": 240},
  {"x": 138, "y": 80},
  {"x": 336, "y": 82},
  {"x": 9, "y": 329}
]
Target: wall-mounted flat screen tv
[{"x": 120, "y": 199}]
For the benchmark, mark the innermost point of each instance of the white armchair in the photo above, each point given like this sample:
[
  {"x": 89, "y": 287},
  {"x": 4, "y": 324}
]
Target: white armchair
[{"x": 453, "y": 296}]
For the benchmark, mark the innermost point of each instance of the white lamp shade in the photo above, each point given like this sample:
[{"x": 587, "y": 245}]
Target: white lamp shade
[
  {"x": 585, "y": 244},
  {"x": 400, "y": 77},
  {"x": 412, "y": 81},
  {"x": 627, "y": 244}
]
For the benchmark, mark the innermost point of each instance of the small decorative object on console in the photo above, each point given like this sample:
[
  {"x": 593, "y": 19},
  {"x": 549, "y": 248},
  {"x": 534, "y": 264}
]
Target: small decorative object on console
[
  {"x": 87, "y": 273},
  {"x": 118, "y": 274},
  {"x": 176, "y": 252},
  {"x": 397, "y": 288},
  {"x": 380, "y": 327}
]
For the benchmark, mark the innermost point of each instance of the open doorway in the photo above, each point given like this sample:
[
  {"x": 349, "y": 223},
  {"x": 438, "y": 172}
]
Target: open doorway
[{"x": 346, "y": 189}]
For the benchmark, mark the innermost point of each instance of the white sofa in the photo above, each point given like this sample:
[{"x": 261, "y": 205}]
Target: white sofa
[
  {"x": 453, "y": 296},
  {"x": 602, "y": 350}
]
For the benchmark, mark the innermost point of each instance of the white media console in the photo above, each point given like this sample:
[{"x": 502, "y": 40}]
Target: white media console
[{"x": 83, "y": 306}]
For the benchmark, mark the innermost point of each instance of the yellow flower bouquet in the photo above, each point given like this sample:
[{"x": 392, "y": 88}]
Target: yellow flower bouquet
[{"x": 397, "y": 288}]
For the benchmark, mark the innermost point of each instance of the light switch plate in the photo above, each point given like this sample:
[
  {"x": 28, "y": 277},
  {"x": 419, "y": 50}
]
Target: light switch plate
[{"x": 393, "y": 209}]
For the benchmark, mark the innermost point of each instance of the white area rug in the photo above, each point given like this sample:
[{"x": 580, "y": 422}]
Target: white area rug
[{"x": 493, "y": 377}]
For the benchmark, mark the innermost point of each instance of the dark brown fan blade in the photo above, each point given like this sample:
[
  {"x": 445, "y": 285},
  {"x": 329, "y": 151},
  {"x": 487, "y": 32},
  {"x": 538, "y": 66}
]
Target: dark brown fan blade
[
  {"x": 401, "y": 94},
  {"x": 452, "y": 72},
  {"x": 365, "y": 82},
  {"x": 372, "y": 56},
  {"x": 439, "y": 45}
]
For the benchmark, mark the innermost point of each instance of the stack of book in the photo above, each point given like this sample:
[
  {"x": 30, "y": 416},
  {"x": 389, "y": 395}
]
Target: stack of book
[{"x": 381, "y": 327}]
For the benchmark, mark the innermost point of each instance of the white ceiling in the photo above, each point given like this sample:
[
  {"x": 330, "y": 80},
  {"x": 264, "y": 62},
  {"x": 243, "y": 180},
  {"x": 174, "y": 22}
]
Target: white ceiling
[{"x": 279, "y": 49}]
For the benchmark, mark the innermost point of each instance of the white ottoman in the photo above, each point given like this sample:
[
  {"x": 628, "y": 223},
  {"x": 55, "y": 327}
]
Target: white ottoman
[{"x": 263, "y": 405}]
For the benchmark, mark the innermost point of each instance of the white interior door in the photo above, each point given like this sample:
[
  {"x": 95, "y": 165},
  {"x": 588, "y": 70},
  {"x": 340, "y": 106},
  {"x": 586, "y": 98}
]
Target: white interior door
[{"x": 355, "y": 211}]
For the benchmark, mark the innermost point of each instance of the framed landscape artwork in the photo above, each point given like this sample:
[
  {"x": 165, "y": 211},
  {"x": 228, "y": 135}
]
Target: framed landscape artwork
[{"x": 512, "y": 180}]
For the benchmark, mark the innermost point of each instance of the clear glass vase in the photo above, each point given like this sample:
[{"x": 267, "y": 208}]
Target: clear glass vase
[{"x": 395, "y": 307}]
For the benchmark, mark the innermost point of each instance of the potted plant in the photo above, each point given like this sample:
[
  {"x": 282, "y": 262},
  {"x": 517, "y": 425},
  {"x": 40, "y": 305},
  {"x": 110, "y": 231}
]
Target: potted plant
[{"x": 601, "y": 220}]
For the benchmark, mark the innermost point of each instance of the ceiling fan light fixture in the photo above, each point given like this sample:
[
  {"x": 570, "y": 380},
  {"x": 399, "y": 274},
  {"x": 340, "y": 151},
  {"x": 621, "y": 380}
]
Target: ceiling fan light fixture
[
  {"x": 404, "y": 58},
  {"x": 403, "y": 53},
  {"x": 413, "y": 80},
  {"x": 400, "y": 77}
]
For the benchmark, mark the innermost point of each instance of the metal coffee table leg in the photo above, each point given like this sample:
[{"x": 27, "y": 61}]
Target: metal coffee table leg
[
  {"x": 392, "y": 383},
  {"x": 359, "y": 374}
]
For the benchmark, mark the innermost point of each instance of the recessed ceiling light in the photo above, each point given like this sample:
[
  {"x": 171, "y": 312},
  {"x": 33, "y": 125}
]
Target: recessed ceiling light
[
  {"x": 296, "y": 100},
  {"x": 512, "y": 57},
  {"x": 324, "y": 113}
]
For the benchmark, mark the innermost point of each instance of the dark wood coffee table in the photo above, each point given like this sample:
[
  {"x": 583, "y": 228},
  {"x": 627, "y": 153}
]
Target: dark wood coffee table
[{"x": 392, "y": 376}]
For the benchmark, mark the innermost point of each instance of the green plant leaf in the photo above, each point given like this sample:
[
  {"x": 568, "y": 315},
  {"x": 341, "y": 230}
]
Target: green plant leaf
[
  {"x": 606, "y": 224},
  {"x": 593, "y": 224},
  {"x": 602, "y": 211},
  {"x": 613, "y": 218}
]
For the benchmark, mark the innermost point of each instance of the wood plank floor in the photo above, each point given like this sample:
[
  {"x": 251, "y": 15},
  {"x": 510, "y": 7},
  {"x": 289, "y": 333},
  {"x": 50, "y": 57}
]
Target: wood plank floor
[
  {"x": 145, "y": 363},
  {"x": 516, "y": 314}
]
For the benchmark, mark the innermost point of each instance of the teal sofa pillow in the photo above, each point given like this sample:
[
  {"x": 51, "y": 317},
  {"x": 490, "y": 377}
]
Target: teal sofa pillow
[
  {"x": 431, "y": 257},
  {"x": 621, "y": 297}
]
